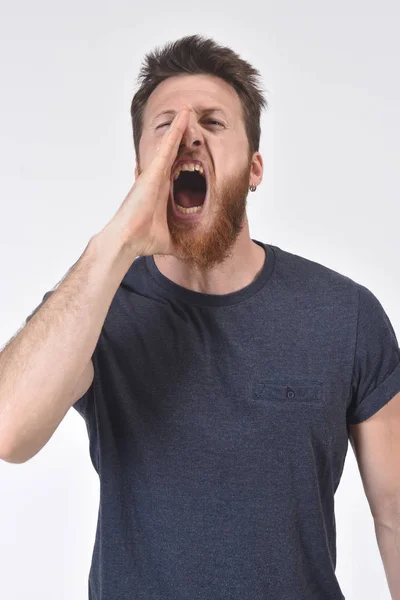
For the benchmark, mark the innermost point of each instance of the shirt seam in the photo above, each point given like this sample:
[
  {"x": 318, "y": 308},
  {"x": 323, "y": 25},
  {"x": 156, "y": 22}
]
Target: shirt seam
[{"x": 350, "y": 399}]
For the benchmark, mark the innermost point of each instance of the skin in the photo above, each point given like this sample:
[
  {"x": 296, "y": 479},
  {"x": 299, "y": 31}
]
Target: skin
[{"x": 217, "y": 255}]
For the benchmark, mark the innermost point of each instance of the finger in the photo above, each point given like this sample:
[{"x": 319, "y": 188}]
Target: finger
[
  {"x": 177, "y": 126},
  {"x": 170, "y": 143}
]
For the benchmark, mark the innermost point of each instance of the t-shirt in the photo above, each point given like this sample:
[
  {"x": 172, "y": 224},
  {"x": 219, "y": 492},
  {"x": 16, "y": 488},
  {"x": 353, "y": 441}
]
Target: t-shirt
[{"x": 218, "y": 426}]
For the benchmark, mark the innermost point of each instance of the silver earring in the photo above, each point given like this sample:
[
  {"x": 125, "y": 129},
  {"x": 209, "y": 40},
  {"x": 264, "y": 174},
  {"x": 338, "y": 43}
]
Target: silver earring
[{"x": 253, "y": 188}]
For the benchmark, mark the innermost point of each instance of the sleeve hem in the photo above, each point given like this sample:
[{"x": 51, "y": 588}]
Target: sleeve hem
[{"x": 377, "y": 398}]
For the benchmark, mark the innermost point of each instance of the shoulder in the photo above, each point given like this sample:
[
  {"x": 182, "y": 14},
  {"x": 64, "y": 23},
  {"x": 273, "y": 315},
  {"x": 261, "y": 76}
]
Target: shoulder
[{"x": 312, "y": 276}]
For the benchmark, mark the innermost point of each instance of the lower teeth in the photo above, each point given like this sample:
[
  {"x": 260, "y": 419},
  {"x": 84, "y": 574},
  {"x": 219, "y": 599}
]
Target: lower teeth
[{"x": 188, "y": 211}]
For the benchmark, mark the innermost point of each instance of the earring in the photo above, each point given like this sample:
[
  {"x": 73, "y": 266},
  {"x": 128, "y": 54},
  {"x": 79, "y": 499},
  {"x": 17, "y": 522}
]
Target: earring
[{"x": 253, "y": 188}]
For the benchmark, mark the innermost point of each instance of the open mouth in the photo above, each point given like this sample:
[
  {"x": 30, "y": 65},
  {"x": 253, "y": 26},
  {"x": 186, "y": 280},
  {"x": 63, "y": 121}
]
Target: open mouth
[{"x": 189, "y": 190}]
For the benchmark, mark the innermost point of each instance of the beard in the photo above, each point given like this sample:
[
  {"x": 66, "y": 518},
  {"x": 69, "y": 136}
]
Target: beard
[{"x": 203, "y": 245}]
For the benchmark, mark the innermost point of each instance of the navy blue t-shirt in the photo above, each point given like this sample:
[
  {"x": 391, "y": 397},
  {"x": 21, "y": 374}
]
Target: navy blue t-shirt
[{"x": 218, "y": 426}]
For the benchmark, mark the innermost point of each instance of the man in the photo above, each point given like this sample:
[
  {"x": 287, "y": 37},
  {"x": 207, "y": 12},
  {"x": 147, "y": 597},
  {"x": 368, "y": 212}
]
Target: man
[{"x": 220, "y": 377}]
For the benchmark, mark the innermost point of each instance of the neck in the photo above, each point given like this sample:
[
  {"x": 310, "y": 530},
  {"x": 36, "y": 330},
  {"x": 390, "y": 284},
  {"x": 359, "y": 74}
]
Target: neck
[{"x": 238, "y": 271}]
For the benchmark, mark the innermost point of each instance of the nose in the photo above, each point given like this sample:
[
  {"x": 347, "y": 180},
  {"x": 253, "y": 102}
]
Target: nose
[{"x": 193, "y": 135}]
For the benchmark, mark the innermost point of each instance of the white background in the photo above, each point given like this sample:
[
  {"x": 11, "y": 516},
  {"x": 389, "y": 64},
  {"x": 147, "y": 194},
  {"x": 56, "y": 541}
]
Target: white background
[{"x": 330, "y": 143}]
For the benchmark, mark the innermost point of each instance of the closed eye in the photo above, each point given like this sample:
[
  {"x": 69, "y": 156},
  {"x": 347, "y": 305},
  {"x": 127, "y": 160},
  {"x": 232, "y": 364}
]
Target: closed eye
[{"x": 208, "y": 121}]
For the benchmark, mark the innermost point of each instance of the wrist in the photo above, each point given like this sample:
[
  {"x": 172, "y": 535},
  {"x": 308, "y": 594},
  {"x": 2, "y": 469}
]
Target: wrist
[{"x": 110, "y": 244}]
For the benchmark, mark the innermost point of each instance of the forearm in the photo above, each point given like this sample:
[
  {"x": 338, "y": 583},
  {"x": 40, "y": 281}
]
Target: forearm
[
  {"x": 388, "y": 538},
  {"x": 40, "y": 367}
]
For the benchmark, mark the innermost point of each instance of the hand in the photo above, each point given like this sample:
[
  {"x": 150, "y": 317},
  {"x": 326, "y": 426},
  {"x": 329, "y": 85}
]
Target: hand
[{"x": 141, "y": 220}]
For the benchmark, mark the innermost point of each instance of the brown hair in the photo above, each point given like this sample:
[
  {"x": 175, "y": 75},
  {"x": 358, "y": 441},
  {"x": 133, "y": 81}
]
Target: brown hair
[{"x": 193, "y": 55}]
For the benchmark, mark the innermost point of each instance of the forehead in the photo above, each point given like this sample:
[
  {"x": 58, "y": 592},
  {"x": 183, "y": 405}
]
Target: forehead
[{"x": 199, "y": 91}]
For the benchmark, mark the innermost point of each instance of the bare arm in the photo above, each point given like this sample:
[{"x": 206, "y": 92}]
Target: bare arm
[
  {"x": 388, "y": 538},
  {"x": 47, "y": 366},
  {"x": 376, "y": 446}
]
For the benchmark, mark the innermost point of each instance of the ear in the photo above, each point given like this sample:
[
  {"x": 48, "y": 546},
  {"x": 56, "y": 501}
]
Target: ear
[{"x": 257, "y": 168}]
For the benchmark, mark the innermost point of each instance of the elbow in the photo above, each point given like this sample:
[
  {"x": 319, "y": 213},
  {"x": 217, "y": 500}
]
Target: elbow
[
  {"x": 388, "y": 514},
  {"x": 16, "y": 448},
  {"x": 13, "y": 458},
  {"x": 11, "y": 454}
]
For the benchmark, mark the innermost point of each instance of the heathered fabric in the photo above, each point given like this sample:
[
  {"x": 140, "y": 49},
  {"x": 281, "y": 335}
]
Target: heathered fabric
[{"x": 218, "y": 425}]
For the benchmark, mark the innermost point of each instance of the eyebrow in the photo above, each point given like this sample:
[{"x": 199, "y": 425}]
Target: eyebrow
[{"x": 205, "y": 111}]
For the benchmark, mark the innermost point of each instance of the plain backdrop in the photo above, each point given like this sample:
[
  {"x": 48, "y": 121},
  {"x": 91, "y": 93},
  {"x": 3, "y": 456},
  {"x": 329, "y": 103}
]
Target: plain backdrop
[{"x": 330, "y": 144}]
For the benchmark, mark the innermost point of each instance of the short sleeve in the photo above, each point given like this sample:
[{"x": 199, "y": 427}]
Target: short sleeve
[{"x": 376, "y": 370}]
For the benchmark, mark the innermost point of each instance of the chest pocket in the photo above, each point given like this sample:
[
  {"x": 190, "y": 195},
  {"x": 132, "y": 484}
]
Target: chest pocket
[{"x": 294, "y": 393}]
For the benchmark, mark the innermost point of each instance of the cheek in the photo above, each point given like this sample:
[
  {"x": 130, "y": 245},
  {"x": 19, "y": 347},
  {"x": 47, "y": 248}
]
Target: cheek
[
  {"x": 229, "y": 169},
  {"x": 151, "y": 146},
  {"x": 146, "y": 154}
]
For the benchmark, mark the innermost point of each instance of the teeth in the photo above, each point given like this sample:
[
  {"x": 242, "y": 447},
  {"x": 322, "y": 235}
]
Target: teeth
[
  {"x": 188, "y": 211},
  {"x": 188, "y": 167}
]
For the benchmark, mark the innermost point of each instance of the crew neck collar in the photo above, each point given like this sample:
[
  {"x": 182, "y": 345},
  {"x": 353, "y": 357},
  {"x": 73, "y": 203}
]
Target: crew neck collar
[{"x": 199, "y": 298}]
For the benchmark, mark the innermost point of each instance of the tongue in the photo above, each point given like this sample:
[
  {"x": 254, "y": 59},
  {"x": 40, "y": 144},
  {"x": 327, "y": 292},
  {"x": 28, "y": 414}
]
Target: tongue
[{"x": 189, "y": 198}]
